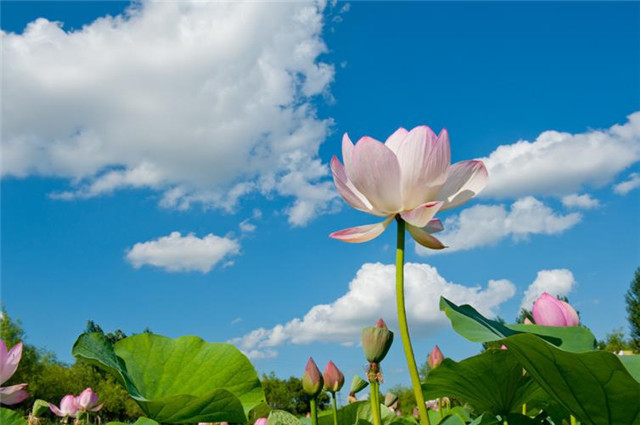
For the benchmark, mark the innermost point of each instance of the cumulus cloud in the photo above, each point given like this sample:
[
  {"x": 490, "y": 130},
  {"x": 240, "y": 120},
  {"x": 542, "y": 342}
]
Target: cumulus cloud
[
  {"x": 483, "y": 225},
  {"x": 177, "y": 253},
  {"x": 584, "y": 201},
  {"x": 559, "y": 163},
  {"x": 368, "y": 299},
  {"x": 205, "y": 102},
  {"x": 554, "y": 282},
  {"x": 632, "y": 182}
]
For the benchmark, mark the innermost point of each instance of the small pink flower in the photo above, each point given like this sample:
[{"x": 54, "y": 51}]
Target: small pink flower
[
  {"x": 550, "y": 311},
  {"x": 67, "y": 407},
  {"x": 87, "y": 401},
  {"x": 261, "y": 421},
  {"x": 9, "y": 360}
]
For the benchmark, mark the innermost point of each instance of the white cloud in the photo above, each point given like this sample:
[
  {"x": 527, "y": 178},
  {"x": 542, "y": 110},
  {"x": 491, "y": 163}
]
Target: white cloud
[
  {"x": 247, "y": 227},
  {"x": 371, "y": 295},
  {"x": 177, "y": 253},
  {"x": 558, "y": 163},
  {"x": 632, "y": 182},
  {"x": 554, "y": 282},
  {"x": 584, "y": 201},
  {"x": 483, "y": 225},
  {"x": 205, "y": 102}
]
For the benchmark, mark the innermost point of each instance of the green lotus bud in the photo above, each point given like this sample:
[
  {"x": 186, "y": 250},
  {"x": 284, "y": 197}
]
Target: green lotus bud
[
  {"x": 376, "y": 341},
  {"x": 312, "y": 379},
  {"x": 390, "y": 399},
  {"x": 358, "y": 384}
]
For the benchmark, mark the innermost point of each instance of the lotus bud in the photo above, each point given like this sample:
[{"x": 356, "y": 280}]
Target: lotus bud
[
  {"x": 435, "y": 358},
  {"x": 376, "y": 341},
  {"x": 333, "y": 378},
  {"x": 312, "y": 379},
  {"x": 550, "y": 311},
  {"x": 261, "y": 421},
  {"x": 358, "y": 384},
  {"x": 390, "y": 399},
  {"x": 526, "y": 321}
]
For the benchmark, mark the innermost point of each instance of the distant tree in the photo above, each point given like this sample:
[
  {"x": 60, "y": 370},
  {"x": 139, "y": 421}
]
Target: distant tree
[
  {"x": 113, "y": 337},
  {"x": 633, "y": 309},
  {"x": 288, "y": 395},
  {"x": 406, "y": 399},
  {"x": 615, "y": 342}
]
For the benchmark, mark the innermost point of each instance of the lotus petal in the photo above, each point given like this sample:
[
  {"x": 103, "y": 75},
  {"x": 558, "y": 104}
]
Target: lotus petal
[
  {"x": 375, "y": 172},
  {"x": 465, "y": 180},
  {"x": 422, "y": 215},
  {"x": 393, "y": 142},
  {"x": 9, "y": 361},
  {"x": 348, "y": 191},
  {"x": 361, "y": 233},
  {"x": 13, "y": 394},
  {"x": 424, "y": 160},
  {"x": 424, "y": 238}
]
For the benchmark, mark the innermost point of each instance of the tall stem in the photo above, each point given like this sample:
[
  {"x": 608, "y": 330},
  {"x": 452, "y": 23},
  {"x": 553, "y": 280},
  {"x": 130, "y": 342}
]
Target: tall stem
[
  {"x": 375, "y": 402},
  {"x": 404, "y": 328},
  {"x": 335, "y": 408},
  {"x": 314, "y": 412}
]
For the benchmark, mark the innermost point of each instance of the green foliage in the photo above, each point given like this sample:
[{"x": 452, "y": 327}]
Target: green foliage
[
  {"x": 178, "y": 380},
  {"x": 10, "y": 417},
  {"x": 594, "y": 386},
  {"x": 287, "y": 395},
  {"x": 491, "y": 382},
  {"x": 475, "y": 327},
  {"x": 615, "y": 342},
  {"x": 633, "y": 310}
]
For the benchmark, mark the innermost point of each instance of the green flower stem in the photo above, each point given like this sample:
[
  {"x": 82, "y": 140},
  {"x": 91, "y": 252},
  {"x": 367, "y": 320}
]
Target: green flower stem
[
  {"x": 314, "y": 412},
  {"x": 335, "y": 408},
  {"x": 375, "y": 402},
  {"x": 404, "y": 328},
  {"x": 440, "y": 409}
]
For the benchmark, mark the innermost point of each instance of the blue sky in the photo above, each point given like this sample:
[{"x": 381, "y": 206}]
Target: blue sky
[{"x": 204, "y": 120}]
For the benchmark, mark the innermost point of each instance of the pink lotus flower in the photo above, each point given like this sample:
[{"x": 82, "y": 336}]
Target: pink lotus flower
[
  {"x": 87, "y": 401},
  {"x": 67, "y": 407},
  {"x": 409, "y": 175},
  {"x": 550, "y": 311},
  {"x": 435, "y": 358},
  {"x": 9, "y": 360}
]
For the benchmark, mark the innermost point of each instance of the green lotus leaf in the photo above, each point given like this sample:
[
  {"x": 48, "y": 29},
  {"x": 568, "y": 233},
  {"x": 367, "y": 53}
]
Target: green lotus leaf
[
  {"x": 11, "y": 417},
  {"x": 140, "y": 421},
  {"x": 491, "y": 382},
  {"x": 178, "y": 380},
  {"x": 280, "y": 417},
  {"x": 594, "y": 386},
  {"x": 472, "y": 325},
  {"x": 632, "y": 363}
]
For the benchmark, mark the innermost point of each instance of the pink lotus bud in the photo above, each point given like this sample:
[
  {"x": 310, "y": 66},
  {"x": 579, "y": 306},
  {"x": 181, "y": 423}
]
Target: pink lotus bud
[
  {"x": 312, "y": 379},
  {"x": 550, "y": 311},
  {"x": 333, "y": 378},
  {"x": 261, "y": 421},
  {"x": 67, "y": 407},
  {"x": 88, "y": 401},
  {"x": 526, "y": 321},
  {"x": 376, "y": 341},
  {"x": 503, "y": 347},
  {"x": 435, "y": 358}
]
